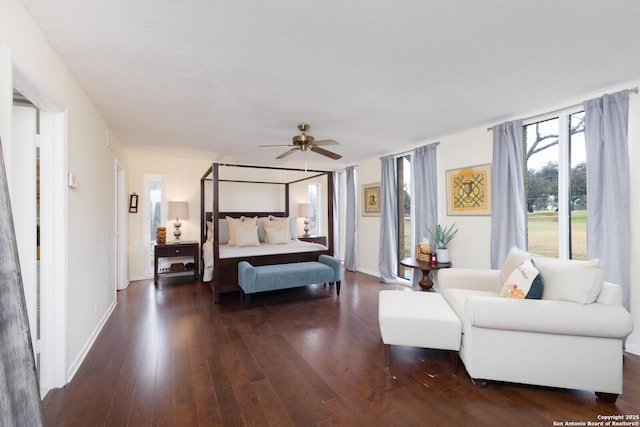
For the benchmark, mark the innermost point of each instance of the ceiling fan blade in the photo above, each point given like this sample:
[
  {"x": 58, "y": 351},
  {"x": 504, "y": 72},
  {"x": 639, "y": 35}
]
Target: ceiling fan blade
[
  {"x": 277, "y": 145},
  {"x": 286, "y": 153},
  {"x": 326, "y": 142},
  {"x": 324, "y": 152}
]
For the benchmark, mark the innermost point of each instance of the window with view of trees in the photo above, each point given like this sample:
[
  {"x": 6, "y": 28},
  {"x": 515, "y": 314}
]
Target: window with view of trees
[
  {"x": 313, "y": 194},
  {"x": 556, "y": 186},
  {"x": 154, "y": 214},
  {"x": 404, "y": 214}
]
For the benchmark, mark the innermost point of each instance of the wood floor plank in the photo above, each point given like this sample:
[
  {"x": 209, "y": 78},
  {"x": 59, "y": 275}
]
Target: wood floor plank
[
  {"x": 275, "y": 413},
  {"x": 225, "y": 396},
  {"x": 298, "y": 409},
  {"x": 298, "y": 357}
]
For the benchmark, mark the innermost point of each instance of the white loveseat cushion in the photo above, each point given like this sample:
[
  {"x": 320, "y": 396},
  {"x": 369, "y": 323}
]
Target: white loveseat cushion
[
  {"x": 571, "y": 280},
  {"x": 564, "y": 280},
  {"x": 515, "y": 257}
]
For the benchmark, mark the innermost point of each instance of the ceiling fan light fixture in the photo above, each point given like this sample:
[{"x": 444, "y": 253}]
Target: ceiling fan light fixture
[
  {"x": 304, "y": 142},
  {"x": 302, "y": 139}
]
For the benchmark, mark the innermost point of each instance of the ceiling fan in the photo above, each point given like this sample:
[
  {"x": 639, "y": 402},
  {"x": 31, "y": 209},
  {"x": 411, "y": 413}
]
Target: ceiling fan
[{"x": 304, "y": 142}]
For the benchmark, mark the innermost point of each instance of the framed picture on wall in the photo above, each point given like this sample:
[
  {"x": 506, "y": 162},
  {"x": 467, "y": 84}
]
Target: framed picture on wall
[
  {"x": 468, "y": 190},
  {"x": 371, "y": 199},
  {"x": 133, "y": 203}
]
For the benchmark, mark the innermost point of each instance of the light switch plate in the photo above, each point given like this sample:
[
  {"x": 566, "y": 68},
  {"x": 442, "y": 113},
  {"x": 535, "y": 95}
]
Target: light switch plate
[{"x": 73, "y": 180}]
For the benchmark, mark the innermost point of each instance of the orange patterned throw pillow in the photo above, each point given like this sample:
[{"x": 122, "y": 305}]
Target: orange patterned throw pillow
[{"x": 524, "y": 282}]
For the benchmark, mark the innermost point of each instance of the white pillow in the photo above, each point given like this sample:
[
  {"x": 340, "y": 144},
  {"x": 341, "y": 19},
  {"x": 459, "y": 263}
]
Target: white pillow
[
  {"x": 293, "y": 222},
  {"x": 247, "y": 236},
  {"x": 261, "y": 234},
  {"x": 277, "y": 235},
  {"x": 223, "y": 231},
  {"x": 515, "y": 257},
  {"x": 571, "y": 280},
  {"x": 276, "y": 225},
  {"x": 235, "y": 223}
]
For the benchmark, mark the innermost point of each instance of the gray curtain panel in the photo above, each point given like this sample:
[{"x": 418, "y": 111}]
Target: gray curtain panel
[
  {"x": 508, "y": 200},
  {"x": 388, "y": 255},
  {"x": 608, "y": 212},
  {"x": 336, "y": 214},
  {"x": 350, "y": 258},
  {"x": 425, "y": 193}
]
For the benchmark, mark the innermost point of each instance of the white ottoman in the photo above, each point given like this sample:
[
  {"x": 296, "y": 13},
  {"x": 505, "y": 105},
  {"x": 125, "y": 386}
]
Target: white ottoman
[{"x": 418, "y": 319}]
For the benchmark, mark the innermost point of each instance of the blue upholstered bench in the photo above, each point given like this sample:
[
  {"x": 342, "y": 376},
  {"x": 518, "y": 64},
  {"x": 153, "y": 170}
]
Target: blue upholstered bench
[{"x": 282, "y": 276}]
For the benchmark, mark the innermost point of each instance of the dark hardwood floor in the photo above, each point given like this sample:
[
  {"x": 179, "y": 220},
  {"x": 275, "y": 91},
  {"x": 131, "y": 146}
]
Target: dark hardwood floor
[{"x": 305, "y": 357}]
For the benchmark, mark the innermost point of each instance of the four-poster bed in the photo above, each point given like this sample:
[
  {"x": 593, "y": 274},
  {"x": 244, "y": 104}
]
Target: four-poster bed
[{"x": 256, "y": 193}]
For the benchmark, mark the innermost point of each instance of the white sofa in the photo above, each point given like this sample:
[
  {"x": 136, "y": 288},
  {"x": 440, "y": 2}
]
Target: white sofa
[{"x": 571, "y": 338}]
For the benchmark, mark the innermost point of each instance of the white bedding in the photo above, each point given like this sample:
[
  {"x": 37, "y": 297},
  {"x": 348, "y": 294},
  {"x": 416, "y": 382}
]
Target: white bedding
[{"x": 227, "y": 251}]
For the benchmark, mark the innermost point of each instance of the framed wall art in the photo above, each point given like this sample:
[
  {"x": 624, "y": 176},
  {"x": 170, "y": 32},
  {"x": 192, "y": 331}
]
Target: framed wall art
[
  {"x": 371, "y": 199},
  {"x": 468, "y": 190},
  {"x": 133, "y": 203}
]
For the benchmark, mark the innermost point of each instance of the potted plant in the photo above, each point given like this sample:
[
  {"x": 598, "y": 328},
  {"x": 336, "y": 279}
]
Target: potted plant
[{"x": 441, "y": 237}]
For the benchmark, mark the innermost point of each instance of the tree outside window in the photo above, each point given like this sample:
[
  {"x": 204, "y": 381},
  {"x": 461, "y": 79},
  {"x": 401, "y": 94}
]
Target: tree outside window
[{"x": 556, "y": 186}]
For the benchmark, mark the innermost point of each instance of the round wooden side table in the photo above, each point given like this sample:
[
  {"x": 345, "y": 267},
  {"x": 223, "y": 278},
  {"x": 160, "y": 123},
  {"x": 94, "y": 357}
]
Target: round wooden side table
[{"x": 425, "y": 283}]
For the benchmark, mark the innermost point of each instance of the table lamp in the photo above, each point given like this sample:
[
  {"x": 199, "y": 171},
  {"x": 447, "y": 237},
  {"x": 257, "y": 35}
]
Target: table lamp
[
  {"x": 305, "y": 210},
  {"x": 178, "y": 210}
]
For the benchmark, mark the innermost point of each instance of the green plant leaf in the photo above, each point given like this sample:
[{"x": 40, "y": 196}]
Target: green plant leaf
[{"x": 441, "y": 236}]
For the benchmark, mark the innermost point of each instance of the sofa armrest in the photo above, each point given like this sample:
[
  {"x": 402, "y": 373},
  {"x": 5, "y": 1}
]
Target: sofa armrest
[
  {"x": 334, "y": 263},
  {"x": 610, "y": 294},
  {"x": 547, "y": 316},
  {"x": 469, "y": 278}
]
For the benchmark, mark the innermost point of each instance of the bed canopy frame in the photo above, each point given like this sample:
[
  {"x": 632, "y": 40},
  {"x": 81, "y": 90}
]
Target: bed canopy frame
[{"x": 225, "y": 270}]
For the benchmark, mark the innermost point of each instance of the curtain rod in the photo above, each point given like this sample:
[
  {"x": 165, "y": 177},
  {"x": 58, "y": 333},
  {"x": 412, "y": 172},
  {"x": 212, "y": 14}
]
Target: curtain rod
[
  {"x": 631, "y": 90},
  {"x": 404, "y": 153}
]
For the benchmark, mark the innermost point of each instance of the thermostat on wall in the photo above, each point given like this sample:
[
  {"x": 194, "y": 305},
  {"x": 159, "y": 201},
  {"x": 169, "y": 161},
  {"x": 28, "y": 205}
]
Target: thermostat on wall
[{"x": 73, "y": 180}]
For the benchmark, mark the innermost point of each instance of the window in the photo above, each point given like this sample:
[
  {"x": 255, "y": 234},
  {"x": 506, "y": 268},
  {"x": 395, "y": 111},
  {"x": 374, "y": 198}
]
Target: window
[
  {"x": 404, "y": 214},
  {"x": 314, "y": 199},
  {"x": 556, "y": 186},
  {"x": 154, "y": 214}
]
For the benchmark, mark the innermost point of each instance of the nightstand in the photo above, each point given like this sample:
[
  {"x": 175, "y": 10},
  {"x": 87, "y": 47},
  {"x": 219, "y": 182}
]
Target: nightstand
[
  {"x": 322, "y": 240},
  {"x": 173, "y": 250}
]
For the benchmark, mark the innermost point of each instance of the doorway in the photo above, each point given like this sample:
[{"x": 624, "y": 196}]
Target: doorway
[
  {"x": 122, "y": 281},
  {"x": 37, "y": 184}
]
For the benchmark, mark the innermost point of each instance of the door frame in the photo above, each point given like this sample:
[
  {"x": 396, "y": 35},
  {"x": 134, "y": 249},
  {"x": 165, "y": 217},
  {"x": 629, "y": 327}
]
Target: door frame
[
  {"x": 53, "y": 230},
  {"x": 122, "y": 280}
]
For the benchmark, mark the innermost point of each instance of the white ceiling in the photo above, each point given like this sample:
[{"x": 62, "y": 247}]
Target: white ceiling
[{"x": 377, "y": 76}]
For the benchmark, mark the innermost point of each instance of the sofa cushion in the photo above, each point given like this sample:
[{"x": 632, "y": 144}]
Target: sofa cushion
[
  {"x": 571, "y": 280},
  {"x": 524, "y": 282},
  {"x": 456, "y": 297},
  {"x": 515, "y": 257}
]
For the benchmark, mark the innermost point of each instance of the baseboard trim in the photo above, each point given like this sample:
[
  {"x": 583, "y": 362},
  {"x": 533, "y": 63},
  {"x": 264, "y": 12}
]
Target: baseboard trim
[
  {"x": 633, "y": 349},
  {"x": 73, "y": 368},
  {"x": 369, "y": 272}
]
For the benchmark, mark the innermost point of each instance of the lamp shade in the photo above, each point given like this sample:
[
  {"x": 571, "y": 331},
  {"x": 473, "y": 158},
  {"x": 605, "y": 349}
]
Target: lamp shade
[
  {"x": 304, "y": 210},
  {"x": 179, "y": 210}
]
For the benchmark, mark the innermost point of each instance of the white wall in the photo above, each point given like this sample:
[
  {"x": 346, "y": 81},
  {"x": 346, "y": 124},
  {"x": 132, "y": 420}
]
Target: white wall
[
  {"x": 470, "y": 248},
  {"x": 368, "y": 227},
  {"x": 90, "y": 293},
  {"x": 183, "y": 184}
]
